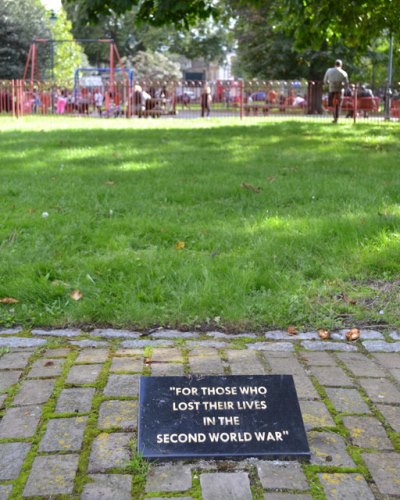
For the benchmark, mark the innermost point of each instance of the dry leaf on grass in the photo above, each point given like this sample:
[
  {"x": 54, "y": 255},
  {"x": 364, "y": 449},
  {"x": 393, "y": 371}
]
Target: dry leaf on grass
[
  {"x": 8, "y": 300},
  {"x": 323, "y": 333},
  {"x": 180, "y": 245},
  {"x": 250, "y": 187},
  {"x": 76, "y": 295},
  {"x": 292, "y": 330},
  {"x": 110, "y": 183},
  {"x": 353, "y": 334}
]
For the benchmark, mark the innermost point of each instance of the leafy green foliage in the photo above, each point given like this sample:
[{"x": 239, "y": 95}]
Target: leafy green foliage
[
  {"x": 154, "y": 66},
  {"x": 20, "y": 22}
]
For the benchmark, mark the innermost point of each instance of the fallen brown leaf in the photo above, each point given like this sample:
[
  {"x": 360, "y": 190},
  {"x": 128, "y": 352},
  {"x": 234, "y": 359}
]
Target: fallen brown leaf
[
  {"x": 76, "y": 295},
  {"x": 8, "y": 300},
  {"x": 353, "y": 334},
  {"x": 323, "y": 333},
  {"x": 49, "y": 363},
  {"x": 250, "y": 187},
  {"x": 110, "y": 183},
  {"x": 271, "y": 178},
  {"x": 292, "y": 330}
]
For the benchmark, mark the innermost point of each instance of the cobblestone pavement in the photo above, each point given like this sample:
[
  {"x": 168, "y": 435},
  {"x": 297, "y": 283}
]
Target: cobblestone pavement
[{"x": 68, "y": 414}]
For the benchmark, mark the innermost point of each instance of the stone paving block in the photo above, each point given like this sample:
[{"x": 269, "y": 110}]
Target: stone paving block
[
  {"x": 388, "y": 360},
  {"x": 305, "y": 388},
  {"x": 367, "y": 432},
  {"x": 205, "y": 362},
  {"x": 342, "y": 486},
  {"x": 331, "y": 376},
  {"x": 169, "y": 477},
  {"x": 169, "y": 498},
  {"x": 2, "y": 399},
  {"x": 10, "y": 331},
  {"x": 15, "y": 342},
  {"x": 272, "y": 346},
  {"x": 108, "y": 487},
  {"x": 347, "y": 400},
  {"x": 226, "y": 485},
  {"x": 14, "y": 360},
  {"x": 167, "y": 355},
  {"x": 110, "y": 451},
  {"x": 77, "y": 400},
  {"x": 63, "y": 434},
  {"x": 361, "y": 366},
  {"x": 122, "y": 414},
  {"x": 281, "y": 475},
  {"x": 174, "y": 334},
  {"x": 287, "y": 496},
  {"x": 12, "y": 456},
  {"x": 328, "y": 448},
  {"x": 84, "y": 344},
  {"x": 206, "y": 344},
  {"x": 122, "y": 385},
  {"x": 5, "y": 491},
  {"x": 394, "y": 335},
  {"x": 381, "y": 346},
  {"x": 20, "y": 422},
  {"x": 392, "y": 415},
  {"x": 282, "y": 335},
  {"x": 315, "y": 414},
  {"x": 83, "y": 374},
  {"x": 66, "y": 332},
  {"x": 92, "y": 356},
  {"x": 167, "y": 369},
  {"x": 8, "y": 378},
  {"x": 57, "y": 353},
  {"x": 46, "y": 368},
  {"x": 231, "y": 336},
  {"x": 129, "y": 352},
  {"x": 364, "y": 334},
  {"x": 380, "y": 390},
  {"x": 110, "y": 333},
  {"x": 286, "y": 366},
  {"x": 34, "y": 392},
  {"x": 318, "y": 358},
  {"x": 127, "y": 364},
  {"x": 52, "y": 475},
  {"x": 136, "y": 344},
  {"x": 244, "y": 362},
  {"x": 395, "y": 372},
  {"x": 316, "y": 345},
  {"x": 385, "y": 471}
]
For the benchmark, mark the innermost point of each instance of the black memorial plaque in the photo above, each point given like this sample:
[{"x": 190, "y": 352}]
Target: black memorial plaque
[{"x": 220, "y": 417}]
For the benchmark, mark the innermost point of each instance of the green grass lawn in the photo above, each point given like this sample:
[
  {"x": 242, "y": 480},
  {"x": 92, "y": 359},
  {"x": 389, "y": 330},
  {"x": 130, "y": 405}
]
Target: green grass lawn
[{"x": 165, "y": 224}]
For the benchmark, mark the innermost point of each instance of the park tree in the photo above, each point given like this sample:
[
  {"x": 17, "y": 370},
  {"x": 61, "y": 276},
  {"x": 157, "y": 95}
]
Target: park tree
[
  {"x": 20, "y": 22},
  {"x": 150, "y": 66}
]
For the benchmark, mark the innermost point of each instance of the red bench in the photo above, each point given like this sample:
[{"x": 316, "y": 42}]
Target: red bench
[
  {"x": 364, "y": 104},
  {"x": 395, "y": 108}
]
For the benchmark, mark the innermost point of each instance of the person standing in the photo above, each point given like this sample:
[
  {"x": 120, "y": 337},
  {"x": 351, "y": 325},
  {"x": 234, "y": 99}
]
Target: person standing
[
  {"x": 337, "y": 80},
  {"x": 206, "y": 101}
]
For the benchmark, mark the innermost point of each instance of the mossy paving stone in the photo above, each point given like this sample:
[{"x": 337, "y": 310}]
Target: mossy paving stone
[
  {"x": 226, "y": 485},
  {"x": 83, "y": 374},
  {"x": 331, "y": 376},
  {"x": 75, "y": 400},
  {"x": 14, "y": 360},
  {"x": 5, "y": 490},
  {"x": 8, "y": 378},
  {"x": 385, "y": 471},
  {"x": 92, "y": 356},
  {"x": 287, "y": 496},
  {"x": 392, "y": 415},
  {"x": 328, "y": 448},
  {"x": 12, "y": 456},
  {"x": 167, "y": 355},
  {"x": 244, "y": 362},
  {"x": 388, "y": 360},
  {"x": 347, "y": 400},
  {"x": 395, "y": 372},
  {"x": 351, "y": 486},
  {"x": 63, "y": 434},
  {"x": 281, "y": 475},
  {"x": 20, "y": 422},
  {"x": 318, "y": 358},
  {"x": 119, "y": 414},
  {"x": 65, "y": 332},
  {"x": 110, "y": 451},
  {"x": 305, "y": 388},
  {"x": 169, "y": 477},
  {"x": 315, "y": 414},
  {"x": 57, "y": 353},
  {"x": 126, "y": 364},
  {"x": 380, "y": 390},
  {"x": 205, "y": 362},
  {"x": 46, "y": 368},
  {"x": 33, "y": 392},
  {"x": 167, "y": 369},
  {"x": 360, "y": 365},
  {"x": 52, "y": 475},
  {"x": 2, "y": 399},
  {"x": 122, "y": 385},
  {"x": 108, "y": 486},
  {"x": 286, "y": 366},
  {"x": 367, "y": 432}
]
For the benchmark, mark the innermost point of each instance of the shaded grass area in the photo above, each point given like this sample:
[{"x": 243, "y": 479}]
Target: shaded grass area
[{"x": 317, "y": 244}]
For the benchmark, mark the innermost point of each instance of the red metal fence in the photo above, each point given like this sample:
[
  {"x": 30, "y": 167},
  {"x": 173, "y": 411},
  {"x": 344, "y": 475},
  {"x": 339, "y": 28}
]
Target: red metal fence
[{"x": 189, "y": 99}]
